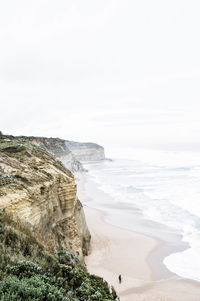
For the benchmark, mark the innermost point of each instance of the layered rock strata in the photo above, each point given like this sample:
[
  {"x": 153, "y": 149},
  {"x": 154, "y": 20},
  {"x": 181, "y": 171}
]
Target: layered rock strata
[
  {"x": 43, "y": 195},
  {"x": 86, "y": 151}
]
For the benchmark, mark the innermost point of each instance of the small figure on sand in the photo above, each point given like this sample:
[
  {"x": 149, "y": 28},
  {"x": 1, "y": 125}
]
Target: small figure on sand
[{"x": 120, "y": 278}]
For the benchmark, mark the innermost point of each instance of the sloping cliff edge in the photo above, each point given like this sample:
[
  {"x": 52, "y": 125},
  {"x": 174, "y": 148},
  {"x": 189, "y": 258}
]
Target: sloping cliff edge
[{"x": 72, "y": 154}]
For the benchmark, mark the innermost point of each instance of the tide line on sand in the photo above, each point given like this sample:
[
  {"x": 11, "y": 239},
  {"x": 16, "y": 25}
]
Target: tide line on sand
[{"x": 117, "y": 251}]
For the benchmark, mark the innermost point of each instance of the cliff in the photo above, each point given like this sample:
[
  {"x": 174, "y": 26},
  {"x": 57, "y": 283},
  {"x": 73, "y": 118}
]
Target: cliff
[
  {"x": 41, "y": 192},
  {"x": 85, "y": 151},
  {"x": 43, "y": 232},
  {"x": 57, "y": 147},
  {"x": 69, "y": 152}
]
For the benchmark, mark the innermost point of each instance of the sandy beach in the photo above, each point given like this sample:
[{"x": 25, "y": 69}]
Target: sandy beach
[{"x": 115, "y": 251}]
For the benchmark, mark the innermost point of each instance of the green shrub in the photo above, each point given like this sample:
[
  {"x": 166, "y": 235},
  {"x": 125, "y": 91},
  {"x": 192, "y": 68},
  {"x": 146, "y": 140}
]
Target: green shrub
[
  {"x": 29, "y": 289},
  {"x": 64, "y": 256},
  {"x": 24, "y": 268}
]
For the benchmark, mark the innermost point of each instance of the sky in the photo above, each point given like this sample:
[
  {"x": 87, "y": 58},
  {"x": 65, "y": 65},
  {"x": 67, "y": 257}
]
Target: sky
[{"x": 119, "y": 73}]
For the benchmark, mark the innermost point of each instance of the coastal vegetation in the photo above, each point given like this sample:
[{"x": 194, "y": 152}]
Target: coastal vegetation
[{"x": 29, "y": 272}]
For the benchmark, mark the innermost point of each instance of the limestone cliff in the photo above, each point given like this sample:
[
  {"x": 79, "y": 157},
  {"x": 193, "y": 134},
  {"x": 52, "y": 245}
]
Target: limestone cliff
[
  {"x": 41, "y": 192},
  {"x": 85, "y": 151}
]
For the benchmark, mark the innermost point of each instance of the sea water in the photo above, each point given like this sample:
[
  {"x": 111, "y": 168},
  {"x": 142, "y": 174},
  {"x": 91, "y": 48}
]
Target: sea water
[{"x": 165, "y": 188}]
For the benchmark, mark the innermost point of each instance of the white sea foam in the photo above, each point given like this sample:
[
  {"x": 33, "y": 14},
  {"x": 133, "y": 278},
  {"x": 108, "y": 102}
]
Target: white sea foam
[{"x": 166, "y": 188}]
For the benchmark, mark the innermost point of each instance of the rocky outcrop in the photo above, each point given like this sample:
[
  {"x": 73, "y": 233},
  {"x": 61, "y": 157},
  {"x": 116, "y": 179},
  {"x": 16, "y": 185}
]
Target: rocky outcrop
[
  {"x": 86, "y": 151},
  {"x": 43, "y": 195},
  {"x": 71, "y": 163}
]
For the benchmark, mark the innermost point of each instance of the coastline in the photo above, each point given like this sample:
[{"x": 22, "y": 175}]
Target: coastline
[{"x": 137, "y": 257}]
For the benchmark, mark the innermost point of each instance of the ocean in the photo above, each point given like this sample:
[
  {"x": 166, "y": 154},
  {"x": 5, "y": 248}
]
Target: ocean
[{"x": 163, "y": 187}]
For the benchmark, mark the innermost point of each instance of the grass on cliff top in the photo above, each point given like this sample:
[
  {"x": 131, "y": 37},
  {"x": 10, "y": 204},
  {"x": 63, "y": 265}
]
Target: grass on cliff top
[
  {"x": 28, "y": 272},
  {"x": 23, "y": 150}
]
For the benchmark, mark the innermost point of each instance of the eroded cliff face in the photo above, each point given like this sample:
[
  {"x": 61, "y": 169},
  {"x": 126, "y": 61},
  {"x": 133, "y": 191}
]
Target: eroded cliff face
[
  {"x": 57, "y": 147},
  {"x": 41, "y": 192},
  {"x": 86, "y": 151}
]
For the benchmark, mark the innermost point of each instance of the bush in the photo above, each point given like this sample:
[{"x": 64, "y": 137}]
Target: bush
[
  {"x": 24, "y": 268},
  {"x": 29, "y": 289},
  {"x": 26, "y": 280},
  {"x": 64, "y": 257}
]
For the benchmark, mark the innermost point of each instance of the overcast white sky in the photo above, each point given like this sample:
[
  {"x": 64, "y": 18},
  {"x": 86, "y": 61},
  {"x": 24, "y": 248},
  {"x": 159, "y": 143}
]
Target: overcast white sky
[{"x": 116, "y": 72}]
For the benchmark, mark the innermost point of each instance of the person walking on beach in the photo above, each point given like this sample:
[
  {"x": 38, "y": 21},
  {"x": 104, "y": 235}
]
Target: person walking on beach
[{"x": 120, "y": 278}]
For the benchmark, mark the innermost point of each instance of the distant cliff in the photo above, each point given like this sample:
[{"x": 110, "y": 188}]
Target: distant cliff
[{"x": 84, "y": 151}]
